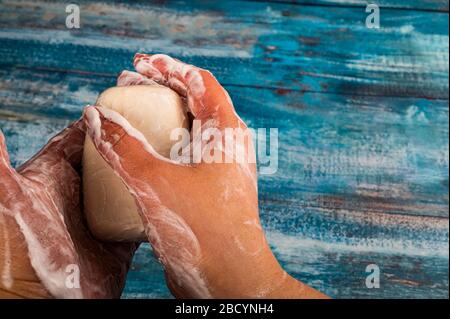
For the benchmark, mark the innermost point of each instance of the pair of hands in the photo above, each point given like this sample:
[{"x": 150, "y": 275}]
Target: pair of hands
[{"x": 202, "y": 219}]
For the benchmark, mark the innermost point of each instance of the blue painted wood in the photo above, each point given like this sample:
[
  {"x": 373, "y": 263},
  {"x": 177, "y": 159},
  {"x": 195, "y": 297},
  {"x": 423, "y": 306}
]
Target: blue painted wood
[
  {"x": 311, "y": 50},
  {"x": 363, "y": 162},
  {"x": 432, "y": 5}
]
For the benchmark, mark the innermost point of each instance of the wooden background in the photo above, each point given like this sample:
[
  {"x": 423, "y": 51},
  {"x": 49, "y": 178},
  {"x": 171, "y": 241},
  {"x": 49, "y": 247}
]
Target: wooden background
[{"x": 362, "y": 115}]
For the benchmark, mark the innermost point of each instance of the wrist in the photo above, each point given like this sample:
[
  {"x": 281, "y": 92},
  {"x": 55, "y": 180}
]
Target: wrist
[
  {"x": 237, "y": 274},
  {"x": 18, "y": 278}
]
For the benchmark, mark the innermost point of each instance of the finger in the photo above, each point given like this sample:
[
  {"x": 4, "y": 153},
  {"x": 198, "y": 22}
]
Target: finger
[
  {"x": 9, "y": 179},
  {"x": 207, "y": 99},
  {"x": 7, "y": 172},
  {"x": 5, "y": 165},
  {"x": 67, "y": 145},
  {"x": 123, "y": 147}
]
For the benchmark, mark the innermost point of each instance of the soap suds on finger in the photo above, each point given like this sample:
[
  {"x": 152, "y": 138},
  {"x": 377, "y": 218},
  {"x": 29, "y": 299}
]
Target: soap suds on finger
[{"x": 127, "y": 78}]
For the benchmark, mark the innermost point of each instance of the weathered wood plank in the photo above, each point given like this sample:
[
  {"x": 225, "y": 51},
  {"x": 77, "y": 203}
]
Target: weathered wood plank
[
  {"x": 363, "y": 123},
  {"x": 338, "y": 272},
  {"x": 309, "y": 50},
  {"x": 325, "y": 246},
  {"x": 433, "y": 5}
]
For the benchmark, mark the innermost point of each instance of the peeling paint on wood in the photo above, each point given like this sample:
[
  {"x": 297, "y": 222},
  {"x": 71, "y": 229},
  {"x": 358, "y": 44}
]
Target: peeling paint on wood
[
  {"x": 432, "y": 5},
  {"x": 362, "y": 116}
]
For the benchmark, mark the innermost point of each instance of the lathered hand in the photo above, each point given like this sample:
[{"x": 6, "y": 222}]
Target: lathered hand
[
  {"x": 45, "y": 248},
  {"x": 202, "y": 219}
]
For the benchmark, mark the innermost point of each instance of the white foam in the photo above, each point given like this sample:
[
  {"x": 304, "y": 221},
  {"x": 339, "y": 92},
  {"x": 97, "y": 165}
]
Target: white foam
[
  {"x": 127, "y": 78},
  {"x": 52, "y": 276}
]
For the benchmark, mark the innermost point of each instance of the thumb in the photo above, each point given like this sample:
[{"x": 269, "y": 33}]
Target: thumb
[
  {"x": 8, "y": 176},
  {"x": 5, "y": 166},
  {"x": 67, "y": 146},
  {"x": 124, "y": 148}
]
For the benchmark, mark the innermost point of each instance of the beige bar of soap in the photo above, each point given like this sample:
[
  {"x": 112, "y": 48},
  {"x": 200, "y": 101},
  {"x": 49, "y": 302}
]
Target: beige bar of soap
[{"x": 155, "y": 111}]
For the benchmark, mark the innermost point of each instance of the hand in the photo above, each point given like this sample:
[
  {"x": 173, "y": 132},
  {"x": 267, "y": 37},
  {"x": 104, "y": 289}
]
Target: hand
[
  {"x": 201, "y": 219},
  {"x": 44, "y": 241}
]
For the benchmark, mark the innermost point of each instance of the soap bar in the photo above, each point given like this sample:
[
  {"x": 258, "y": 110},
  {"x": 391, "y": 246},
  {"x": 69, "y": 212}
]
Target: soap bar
[{"x": 110, "y": 210}]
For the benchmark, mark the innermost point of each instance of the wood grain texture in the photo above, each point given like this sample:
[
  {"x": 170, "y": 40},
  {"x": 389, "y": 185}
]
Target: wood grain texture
[
  {"x": 362, "y": 117},
  {"x": 311, "y": 49},
  {"x": 430, "y": 5}
]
